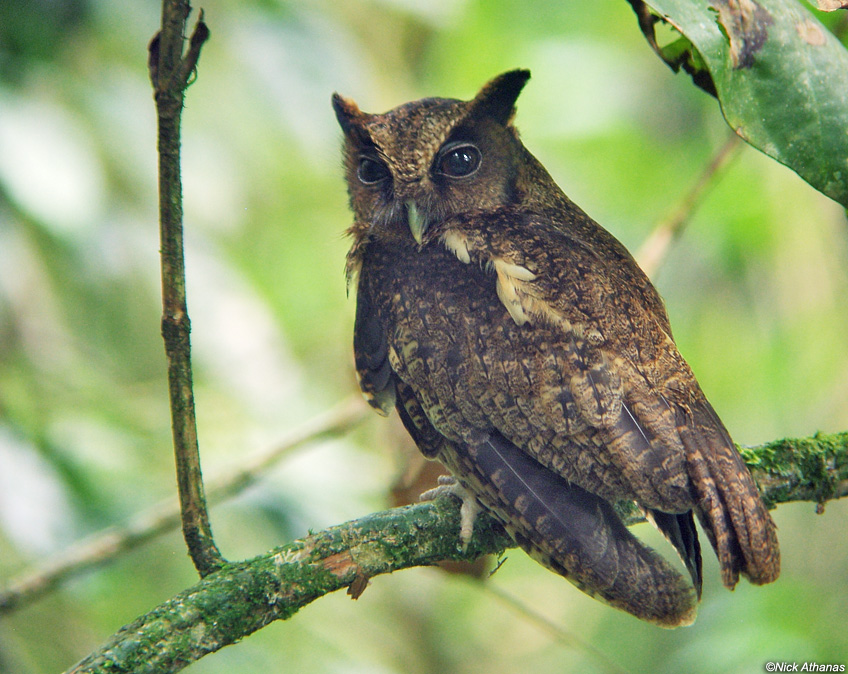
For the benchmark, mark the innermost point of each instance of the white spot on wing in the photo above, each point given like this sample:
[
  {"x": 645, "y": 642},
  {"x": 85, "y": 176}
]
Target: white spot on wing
[
  {"x": 510, "y": 277},
  {"x": 457, "y": 244},
  {"x": 516, "y": 271}
]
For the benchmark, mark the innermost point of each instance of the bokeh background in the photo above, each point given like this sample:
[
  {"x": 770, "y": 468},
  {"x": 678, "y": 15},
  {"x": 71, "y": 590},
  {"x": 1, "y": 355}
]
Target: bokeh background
[{"x": 756, "y": 289}]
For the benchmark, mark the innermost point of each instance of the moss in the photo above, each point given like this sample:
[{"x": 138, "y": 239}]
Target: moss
[{"x": 811, "y": 469}]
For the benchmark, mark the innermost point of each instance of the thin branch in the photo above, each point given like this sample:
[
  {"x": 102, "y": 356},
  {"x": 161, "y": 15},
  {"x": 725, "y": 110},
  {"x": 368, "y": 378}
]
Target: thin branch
[
  {"x": 654, "y": 249},
  {"x": 165, "y": 516},
  {"x": 170, "y": 72},
  {"x": 241, "y": 598}
]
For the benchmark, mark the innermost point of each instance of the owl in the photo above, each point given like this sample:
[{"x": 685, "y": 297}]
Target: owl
[{"x": 524, "y": 348}]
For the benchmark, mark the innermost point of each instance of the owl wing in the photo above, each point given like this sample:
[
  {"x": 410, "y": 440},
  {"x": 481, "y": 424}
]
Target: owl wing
[
  {"x": 620, "y": 382},
  {"x": 563, "y": 526},
  {"x": 371, "y": 356}
]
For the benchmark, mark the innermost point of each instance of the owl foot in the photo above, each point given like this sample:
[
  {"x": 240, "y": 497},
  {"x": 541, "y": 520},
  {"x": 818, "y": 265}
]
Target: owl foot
[{"x": 467, "y": 512}]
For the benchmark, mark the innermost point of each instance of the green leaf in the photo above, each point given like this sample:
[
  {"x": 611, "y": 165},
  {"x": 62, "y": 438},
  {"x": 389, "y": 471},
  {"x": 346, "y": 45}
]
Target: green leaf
[{"x": 781, "y": 78}]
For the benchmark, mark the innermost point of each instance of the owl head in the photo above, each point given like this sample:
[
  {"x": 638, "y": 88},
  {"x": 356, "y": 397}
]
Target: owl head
[{"x": 432, "y": 159}]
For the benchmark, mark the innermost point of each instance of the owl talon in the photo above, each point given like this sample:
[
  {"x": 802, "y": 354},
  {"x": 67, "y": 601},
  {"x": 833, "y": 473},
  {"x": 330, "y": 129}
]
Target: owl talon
[{"x": 468, "y": 510}]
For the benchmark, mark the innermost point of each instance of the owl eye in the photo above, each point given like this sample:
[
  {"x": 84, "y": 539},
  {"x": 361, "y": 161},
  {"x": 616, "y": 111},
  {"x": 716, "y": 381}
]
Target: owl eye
[
  {"x": 371, "y": 171},
  {"x": 459, "y": 161}
]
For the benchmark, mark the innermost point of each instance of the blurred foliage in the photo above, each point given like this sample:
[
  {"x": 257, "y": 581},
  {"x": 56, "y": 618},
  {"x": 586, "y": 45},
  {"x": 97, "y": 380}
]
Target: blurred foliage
[
  {"x": 781, "y": 77},
  {"x": 755, "y": 290}
]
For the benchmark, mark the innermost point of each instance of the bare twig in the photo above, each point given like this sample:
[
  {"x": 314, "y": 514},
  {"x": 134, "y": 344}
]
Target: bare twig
[
  {"x": 165, "y": 516},
  {"x": 170, "y": 72},
  {"x": 653, "y": 251}
]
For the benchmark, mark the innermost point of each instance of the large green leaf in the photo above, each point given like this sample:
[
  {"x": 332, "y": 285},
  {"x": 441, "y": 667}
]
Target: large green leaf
[{"x": 780, "y": 76}]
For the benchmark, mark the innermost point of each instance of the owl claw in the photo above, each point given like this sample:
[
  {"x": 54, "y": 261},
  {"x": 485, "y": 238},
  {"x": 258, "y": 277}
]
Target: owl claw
[{"x": 468, "y": 510}]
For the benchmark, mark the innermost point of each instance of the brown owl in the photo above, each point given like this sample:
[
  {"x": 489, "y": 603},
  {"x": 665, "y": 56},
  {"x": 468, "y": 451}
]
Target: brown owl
[{"x": 523, "y": 347}]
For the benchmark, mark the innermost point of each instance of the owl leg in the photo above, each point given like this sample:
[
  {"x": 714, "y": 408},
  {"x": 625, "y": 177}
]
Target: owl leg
[{"x": 468, "y": 511}]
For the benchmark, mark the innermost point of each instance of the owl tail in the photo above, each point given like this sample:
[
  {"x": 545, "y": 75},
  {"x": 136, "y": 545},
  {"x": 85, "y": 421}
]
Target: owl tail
[
  {"x": 729, "y": 505},
  {"x": 576, "y": 534}
]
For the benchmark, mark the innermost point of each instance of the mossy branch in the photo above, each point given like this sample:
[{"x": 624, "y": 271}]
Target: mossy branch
[
  {"x": 802, "y": 469},
  {"x": 241, "y": 598}
]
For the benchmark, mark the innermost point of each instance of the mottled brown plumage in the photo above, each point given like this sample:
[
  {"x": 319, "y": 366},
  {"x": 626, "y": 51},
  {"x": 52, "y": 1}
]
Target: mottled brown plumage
[{"x": 524, "y": 348}]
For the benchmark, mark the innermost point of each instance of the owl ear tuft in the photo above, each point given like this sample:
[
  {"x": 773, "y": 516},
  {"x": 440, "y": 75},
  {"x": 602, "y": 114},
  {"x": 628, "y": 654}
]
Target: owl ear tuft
[
  {"x": 497, "y": 98},
  {"x": 347, "y": 112}
]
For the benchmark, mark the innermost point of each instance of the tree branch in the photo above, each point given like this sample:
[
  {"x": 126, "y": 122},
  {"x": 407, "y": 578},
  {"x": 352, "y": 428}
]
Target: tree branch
[
  {"x": 802, "y": 469},
  {"x": 241, "y": 598},
  {"x": 654, "y": 249},
  {"x": 170, "y": 72},
  {"x": 107, "y": 544}
]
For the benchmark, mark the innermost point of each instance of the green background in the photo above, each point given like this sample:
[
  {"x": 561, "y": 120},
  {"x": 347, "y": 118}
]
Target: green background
[{"x": 756, "y": 290}]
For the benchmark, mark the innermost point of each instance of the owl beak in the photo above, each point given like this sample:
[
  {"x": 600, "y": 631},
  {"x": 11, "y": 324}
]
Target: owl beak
[{"x": 417, "y": 221}]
